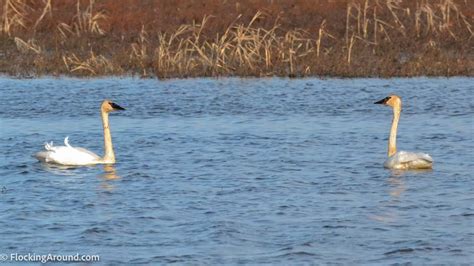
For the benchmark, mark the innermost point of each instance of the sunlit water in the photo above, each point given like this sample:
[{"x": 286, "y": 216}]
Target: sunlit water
[{"x": 227, "y": 171}]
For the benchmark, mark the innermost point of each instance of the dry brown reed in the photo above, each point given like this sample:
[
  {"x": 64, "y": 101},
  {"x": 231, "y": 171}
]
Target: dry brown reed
[
  {"x": 29, "y": 46},
  {"x": 47, "y": 9},
  {"x": 13, "y": 16},
  {"x": 91, "y": 64},
  {"x": 241, "y": 49},
  {"x": 139, "y": 54},
  {"x": 85, "y": 21}
]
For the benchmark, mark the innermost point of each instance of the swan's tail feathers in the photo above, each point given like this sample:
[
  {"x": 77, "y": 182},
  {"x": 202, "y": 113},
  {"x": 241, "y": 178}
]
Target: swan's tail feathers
[
  {"x": 49, "y": 146},
  {"x": 426, "y": 157},
  {"x": 66, "y": 142}
]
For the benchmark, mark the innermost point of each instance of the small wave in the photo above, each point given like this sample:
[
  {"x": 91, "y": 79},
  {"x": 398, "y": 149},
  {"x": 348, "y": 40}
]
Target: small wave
[
  {"x": 337, "y": 226},
  {"x": 94, "y": 230},
  {"x": 400, "y": 250}
]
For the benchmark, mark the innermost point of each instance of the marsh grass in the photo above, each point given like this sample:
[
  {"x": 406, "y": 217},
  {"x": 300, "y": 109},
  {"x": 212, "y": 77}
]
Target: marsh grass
[
  {"x": 92, "y": 64},
  {"x": 241, "y": 49},
  {"x": 345, "y": 38},
  {"x": 85, "y": 21}
]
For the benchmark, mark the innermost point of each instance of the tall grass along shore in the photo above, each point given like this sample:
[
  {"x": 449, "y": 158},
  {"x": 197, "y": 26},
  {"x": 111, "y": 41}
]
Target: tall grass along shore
[{"x": 185, "y": 38}]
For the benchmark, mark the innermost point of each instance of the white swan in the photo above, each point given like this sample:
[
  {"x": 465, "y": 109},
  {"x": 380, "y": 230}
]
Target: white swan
[
  {"x": 69, "y": 155},
  {"x": 402, "y": 159}
]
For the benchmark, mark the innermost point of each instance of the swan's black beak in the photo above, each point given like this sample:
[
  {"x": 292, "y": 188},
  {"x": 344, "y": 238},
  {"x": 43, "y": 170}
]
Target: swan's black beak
[
  {"x": 383, "y": 101},
  {"x": 116, "y": 106}
]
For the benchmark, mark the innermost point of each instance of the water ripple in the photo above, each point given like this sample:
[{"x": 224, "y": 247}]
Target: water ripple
[{"x": 239, "y": 171}]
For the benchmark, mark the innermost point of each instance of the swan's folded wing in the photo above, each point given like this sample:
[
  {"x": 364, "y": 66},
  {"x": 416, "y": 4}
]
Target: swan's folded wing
[
  {"x": 86, "y": 151},
  {"x": 67, "y": 155},
  {"x": 409, "y": 160},
  {"x": 405, "y": 156},
  {"x": 73, "y": 156}
]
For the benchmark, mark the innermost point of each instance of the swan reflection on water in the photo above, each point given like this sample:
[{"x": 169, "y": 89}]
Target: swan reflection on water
[
  {"x": 57, "y": 169},
  {"x": 396, "y": 182},
  {"x": 110, "y": 173}
]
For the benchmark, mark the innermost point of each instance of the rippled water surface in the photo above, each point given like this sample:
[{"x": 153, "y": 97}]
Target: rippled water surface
[{"x": 228, "y": 171}]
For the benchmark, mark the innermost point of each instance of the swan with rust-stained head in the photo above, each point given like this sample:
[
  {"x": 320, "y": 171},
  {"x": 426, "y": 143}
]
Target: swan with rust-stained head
[
  {"x": 402, "y": 159},
  {"x": 69, "y": 155}
]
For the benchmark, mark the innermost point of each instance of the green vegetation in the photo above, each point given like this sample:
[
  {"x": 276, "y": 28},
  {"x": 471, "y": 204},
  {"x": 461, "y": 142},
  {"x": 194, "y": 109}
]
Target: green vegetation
[{"x": 237, "y": 38}]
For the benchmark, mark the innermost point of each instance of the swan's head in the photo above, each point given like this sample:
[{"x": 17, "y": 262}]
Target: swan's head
[
  {"x": 391, "y": 100},
  {"x": 109, "y": 106}
]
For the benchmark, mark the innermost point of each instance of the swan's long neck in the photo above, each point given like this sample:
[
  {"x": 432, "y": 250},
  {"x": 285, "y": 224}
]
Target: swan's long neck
[
  {"x": 392, "y": 140},
  {"x": 109, "y": 155}
]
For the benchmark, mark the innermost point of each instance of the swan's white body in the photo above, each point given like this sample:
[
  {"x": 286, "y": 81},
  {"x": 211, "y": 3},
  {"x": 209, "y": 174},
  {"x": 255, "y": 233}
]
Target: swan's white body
[
  {"x": 402, "y": 159},
  {"x": 409, "y": 160},
  {"x": 67, "y": 155},
  {"x": 75, "y": 156}
]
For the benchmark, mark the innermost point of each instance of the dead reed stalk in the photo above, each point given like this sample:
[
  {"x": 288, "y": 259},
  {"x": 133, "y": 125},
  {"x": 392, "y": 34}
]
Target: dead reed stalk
[
  {"x": 28, "y": 46},
  {"x": 14, "y": 15},
  {"x": 46, "y": 10},
  {"x": 349, "y": 49},
  {"x": 139, "y": 51}
]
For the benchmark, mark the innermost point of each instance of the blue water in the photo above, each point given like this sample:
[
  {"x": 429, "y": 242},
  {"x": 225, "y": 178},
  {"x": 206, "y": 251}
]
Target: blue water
[{"x": 229, "y": 171}]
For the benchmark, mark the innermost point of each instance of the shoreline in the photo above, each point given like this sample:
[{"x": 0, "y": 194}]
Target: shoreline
[
  {"x": 107, "y": 77},
  {"x": 343, "y": 39}
]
